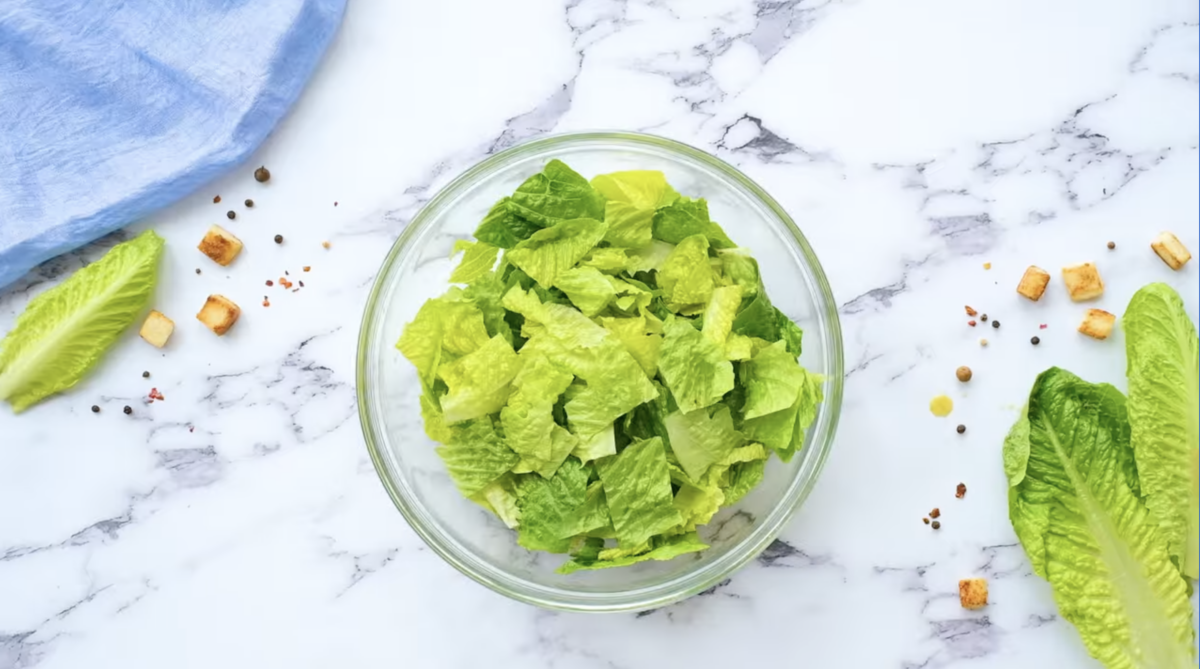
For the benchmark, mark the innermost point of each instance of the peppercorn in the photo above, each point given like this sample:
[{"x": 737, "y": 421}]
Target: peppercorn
[
  {"x": 278, "y": 239},
  {"x": 145, "y": 375},
  {"x": 1035, "y": 341},
  {"x": 231, "y": 214},
  {"x": 960, "y": 429},
  {"x": 249, "y": 203},
  {"x": 95, "y": 409},
  {"x": 983, "y": 318},
  {"x": 963, "y": 373},
  {"x": 925, "y": 520},
  {"x": 937, "y": 525},
  {"x": 128, "y": 409},
  {"x": 1112, "y": 245},
  {"x": 197, "y": 270},
  {"x": 262, "y": 175},
  {"x": 996, "y": 324}
]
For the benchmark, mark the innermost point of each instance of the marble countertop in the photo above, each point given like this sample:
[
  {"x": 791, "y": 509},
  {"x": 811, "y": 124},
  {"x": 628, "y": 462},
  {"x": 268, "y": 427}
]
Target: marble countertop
[{"x": 239, "y": 522}]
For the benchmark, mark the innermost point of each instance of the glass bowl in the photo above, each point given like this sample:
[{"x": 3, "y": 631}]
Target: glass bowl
[{"x": 471, "y": 538}]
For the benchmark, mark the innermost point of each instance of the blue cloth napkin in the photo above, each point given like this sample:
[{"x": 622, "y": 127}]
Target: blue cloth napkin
[{"x": 110, "y": 109}]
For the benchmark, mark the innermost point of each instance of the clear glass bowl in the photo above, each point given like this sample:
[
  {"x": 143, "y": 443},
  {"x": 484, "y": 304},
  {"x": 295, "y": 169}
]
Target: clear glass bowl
[{"x": 472, "y": 539}]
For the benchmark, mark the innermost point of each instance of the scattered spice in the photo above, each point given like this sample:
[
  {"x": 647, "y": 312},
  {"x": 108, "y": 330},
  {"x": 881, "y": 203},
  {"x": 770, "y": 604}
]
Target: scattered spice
[
  {"x": 335, "y": 203},
  {"x": 961, "y": 429},
  {"x": 1112, "y": 245},
  {"x": 249, "y": 203},
  {"x": 983, "y": 342},
  {"x": 145, "y": 375},
  {"x": 996, "y": 324},
  {"x": 970, "y": 311},
  {"x": 128, "y": 409},
  {"x": 197, "y": 270},
  {"x": 191, "y": 428},
  {"x": 936, "y": 513},
  {"x": 925, "y": 520},
  {"x": 231, "y": 214},
  {"x": 937, "y": 525},
  {"x": 284, "y": 282},
  {"x": 270, "y": 283},
  {"x": 155, "y": 395},
  {"x": 278, "y": 239},
  {"x": 262, "y": 175},
  {"x": 960, "y": 491},
  {"x": 295, "y": 290},
  {"x": 963, "y": 373},
  {"x": 266, "y": 302},
  {"x": 95, "y": 409},
  {"x": 1035, "y": 341},
  {"x": 971, "y": 323},
  {"x": 301, "y": 283},
  {"x": 941, "y": 406},
  {"x": 987, "y": 265},
  {"x": 307, "y": 268},
  {"x": 983, "y": 317},
  {"x": 216, "y": 199},
  {"x": 1043, "y": 326},
  {"x": 325, "y": 245}
]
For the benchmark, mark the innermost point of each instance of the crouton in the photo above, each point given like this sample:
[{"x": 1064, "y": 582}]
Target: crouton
[
  {"x": 1083, "y": 281},
  {"x": 1034, "y": 282},
  {"x": 973, "y": 593},
  {"x": 219, "y": 314},
  {"x": 1097, "y": 323},
  {"x": 220, "y": 245},
  {"x": 1171, "y": 250},
  {"x": 157, "y": 329}
]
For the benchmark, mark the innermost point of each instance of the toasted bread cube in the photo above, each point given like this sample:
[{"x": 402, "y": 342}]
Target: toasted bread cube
[
  {"x": 1034, "y": 282},
  {"x": 1083, "y": 281},
  {"x": 157, "y": 329},
  {"x": 1097, "y": 324},
  {"x": 1171, "y": 250},
  {"x": 219, "y": 314},
  {"x": 972, "y": 593},
  {"x": 220, "y": 245}
]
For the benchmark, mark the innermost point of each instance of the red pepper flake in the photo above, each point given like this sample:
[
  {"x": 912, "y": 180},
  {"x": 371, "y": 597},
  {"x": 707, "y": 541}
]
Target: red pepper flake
[
  {"x": 155, "y": 395},
  {"x": 307, "y": 268},
  {"x": 961, "y": 491},
  {"x": 936, "y": 513},
  {"x": 266, "y": 302},
  {"x": 216, "y": 199},
  {"x": 971, "y": 312},
  {"x": 971, "y": 323},
  {"x": 270, "y": 283},
  {"x": 1042, "y": 326}
]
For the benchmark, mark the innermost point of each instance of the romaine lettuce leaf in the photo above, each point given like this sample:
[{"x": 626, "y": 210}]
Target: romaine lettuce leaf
[
  {"x": 664, "y": 548},
  {"x": 638, "y": 488},
  {"x": 503, "y": 228},
  {"x": 486, "y": 293},
  {"x": 686, "y": 276},
  {"x": 694, "y": 367},
  {"x": 642, "y": 189},
  {"x": 699, "y": 441},
  {"x": 720, "y": 312},
  {"x": 1075, "y": 505},
  {"x": 64, "y": 331},
  {"x": 475, "y": 456},
  {"x": 479, "y": 382},
  {"x": 783, "y": 431},
  {"x": 687, "y": 217},
  {"x": 589, "y": 290},
  {"x": 557, "y": 194},
  {"x": 447, "y": 323},
  {"x": 772, "y": 380},
  {"x": 1163, "y": 356},
  {"x": 599, "y": 445},
  {"x": 500, "y": 497},
  {"x": 550, "y": 507},
  {"x": 628, "y": 226},
  {"x": 550, "y": 252},
  {"x": 527, "y": 418},
  {"x": 478, "y": 259},
  {"x": 635, "y": 335}
]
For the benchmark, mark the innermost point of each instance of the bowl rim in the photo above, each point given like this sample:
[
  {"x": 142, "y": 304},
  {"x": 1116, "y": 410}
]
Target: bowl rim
[{"x": 658, "y": 595}]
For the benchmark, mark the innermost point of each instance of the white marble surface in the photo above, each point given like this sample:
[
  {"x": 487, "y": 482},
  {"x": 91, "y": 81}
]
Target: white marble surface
[{"x": 239, "y": 523}]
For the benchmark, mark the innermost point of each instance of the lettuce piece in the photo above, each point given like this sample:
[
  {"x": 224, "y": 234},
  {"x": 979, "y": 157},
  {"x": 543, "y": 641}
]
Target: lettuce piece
[
  {"x": 479, "y": 382},
  {"x": 638, "y": 488},
  {"x": 743, "y": 477},
  {"x": 772, "y": 380},
  {"x": 503, "y": 228},
  {"x": 64, "y": 331},
  {"x": 478, "y": 259},
  {"x": 634, "y": 333},
  {"x": 757, "y": 319},
  {"x": 554, "y": 195},
  {"x": 448, "y": 323},
  {"x": 550, "y": 252},
  {"x": 649, "y": 258},
  {"x": 641, "y": 189},
  {"x": 789, "y": 333},
  {"x": 697, "y": 505},
  {"x": 687, "y": 217},
  {"x": 1163, "y": 356},
  {"x": 527, "y": 418},
  {"x": 686, "y": 277},
  {"x": 435, "y": 424},
  {"x": 741, "y": 270},
  {"x": 588, "y": 289},
  {"x": 720, "y": 312},
  {"x": 599, "y": 445},
  {"x": 500, "y": 497},
  {"x": 628, "y": 226},
  {"x": 550, "y": 507},
  {"x": 1074, "y": 503},
  {"x": 593, "y": 515},
  {"x": 475, "y": 456},
  {"x": 699, "y": 441},
  {"x": 783, "y": 431},
  {"x": 486, "y": 292},
  {"x": 665, "y": 548},
  {"x": 606, "y": 259},
  {"x": 694, "y": 367}
]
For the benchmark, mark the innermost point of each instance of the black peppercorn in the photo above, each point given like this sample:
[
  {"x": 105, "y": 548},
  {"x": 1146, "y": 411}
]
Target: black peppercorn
[
  {"x": 936, "y": 525},
  {"x": 1035, "y": 341},
  {"x": 262, "y": 175},
  {"x": 249, "y": 203},
  {"x": 145, "y": 375},
  {"x": 197, "y": 270},
  {"x": 128, "y": 409},
  {"x": 231, "y": 214},
  {"x": 961, "y": 429},
  {"x": 95, "y": 409},
  {"x": 1112, "y": 245},
  {"x": 983, "y": 318},
  {"x": 996, "y": 324},
  {"x": 278, "y": 239}
]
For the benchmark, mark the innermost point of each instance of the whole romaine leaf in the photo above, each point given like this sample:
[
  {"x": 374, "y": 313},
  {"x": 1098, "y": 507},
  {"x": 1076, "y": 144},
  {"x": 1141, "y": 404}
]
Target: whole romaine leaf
[
  {"x": 686, "y": 276},
  {"x": 63, "y": 332},
  {"x": 503, "y": 228},
  {"x": 638, "y": 488},
  {"x": 1075, "y": 505},
  {"x": 1163, "y": 357},
  {"x": 699, "y": 440},
  {"x": 694, "y": 367},
  {"x": 475, "y": 456},
  {"x": 687, "y": 217},
  {"x": 665, "y": 548},
  {"x": 479, "y": 382},
  {"x": 557, "y": 194},
  {"x": 550, "y": 252}
]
